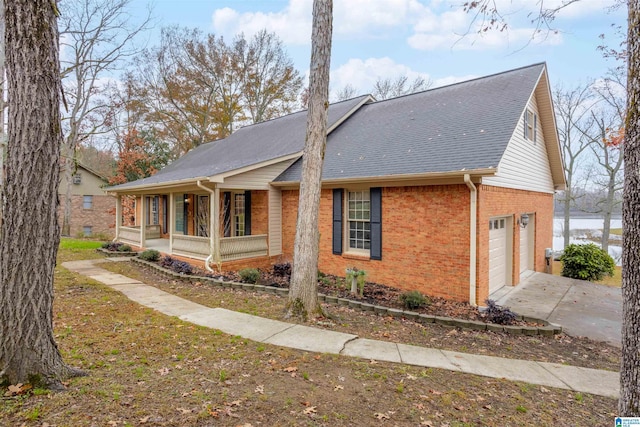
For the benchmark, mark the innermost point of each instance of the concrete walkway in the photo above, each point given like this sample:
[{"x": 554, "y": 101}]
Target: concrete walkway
[
  {"x": 582, "y": 308},
  {"x": 603, "y": 383}
]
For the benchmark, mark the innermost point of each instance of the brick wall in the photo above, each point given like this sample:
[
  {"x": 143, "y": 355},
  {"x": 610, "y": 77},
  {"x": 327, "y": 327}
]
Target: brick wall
[
  {"x": 259, "y": 212},
  {"x": 425, "y": 236},
  {"x": 100, "y": 217},
  {"x": 425, "y": 239}
]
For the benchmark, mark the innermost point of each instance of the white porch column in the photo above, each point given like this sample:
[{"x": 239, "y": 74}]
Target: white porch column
[
  {"x": 215, "y": 224},
  {"x": 143, "y": 224},
  {"x": 172, "y": 220},
  {"x": 118, "y": 216}
]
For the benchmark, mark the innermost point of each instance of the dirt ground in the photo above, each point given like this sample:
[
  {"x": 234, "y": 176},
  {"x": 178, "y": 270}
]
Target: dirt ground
[{"x": 148, "y": 369}]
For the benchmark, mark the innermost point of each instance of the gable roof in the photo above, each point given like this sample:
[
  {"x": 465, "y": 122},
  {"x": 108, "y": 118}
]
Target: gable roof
[
  {"x": 458, "y": 128},
  {"x": 250, "y": 145}
]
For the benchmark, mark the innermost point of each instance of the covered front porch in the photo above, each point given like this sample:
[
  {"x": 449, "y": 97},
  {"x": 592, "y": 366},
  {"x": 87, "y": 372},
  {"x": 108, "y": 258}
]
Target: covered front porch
[{"x": 203, "y": 222}]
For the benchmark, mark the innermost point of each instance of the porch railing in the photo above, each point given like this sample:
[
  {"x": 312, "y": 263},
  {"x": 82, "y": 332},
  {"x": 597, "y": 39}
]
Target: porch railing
[
  {"x": 234, "y": 248},
  {"x": 152, "y": 232},
  {"x": 130, "y": 235},
  {"x": 191, "y": 246}
]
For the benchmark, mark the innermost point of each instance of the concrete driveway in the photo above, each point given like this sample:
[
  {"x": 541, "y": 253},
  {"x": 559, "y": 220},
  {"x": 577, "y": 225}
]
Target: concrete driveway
[{"x": 581, "y": 308}]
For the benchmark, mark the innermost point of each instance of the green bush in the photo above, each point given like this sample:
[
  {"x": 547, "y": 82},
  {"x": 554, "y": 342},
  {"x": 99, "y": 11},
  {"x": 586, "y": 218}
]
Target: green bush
[
  {"x": 586, "y": 262},
  {"x": 249, "y": 275},
  {"x": 150, "y": 255},
  {"x": 414, "y": 299},
  {"x": 125, "y": 248}
]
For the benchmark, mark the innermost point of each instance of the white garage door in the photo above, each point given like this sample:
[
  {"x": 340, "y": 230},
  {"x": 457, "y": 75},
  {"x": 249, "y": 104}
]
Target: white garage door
[
  {"x": 497, "y": 254},
  {"x": 526, "y": 246}
]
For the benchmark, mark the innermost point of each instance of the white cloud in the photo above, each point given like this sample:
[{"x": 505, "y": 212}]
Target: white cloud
[
  {"x": 292, "y": 24},
  {"x": 362, "y": 74}
]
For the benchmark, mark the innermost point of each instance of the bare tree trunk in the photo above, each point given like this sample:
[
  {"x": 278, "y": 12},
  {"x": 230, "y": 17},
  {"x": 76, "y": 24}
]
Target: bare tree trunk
[
  {"x": 629, "y": 403},
  {"x": 303, "y": 292},
  {"x": 3, "y": 139},
  {"x": 566, "y": 204},
  {"x": 67, "y": 170},
  {"x": 30, "y": 234}
]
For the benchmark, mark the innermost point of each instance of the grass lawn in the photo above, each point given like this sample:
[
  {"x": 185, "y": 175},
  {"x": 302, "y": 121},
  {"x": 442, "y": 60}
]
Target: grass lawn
[
  {"x": 145, "y": 368},
  {"x": 616, "y": 280}
]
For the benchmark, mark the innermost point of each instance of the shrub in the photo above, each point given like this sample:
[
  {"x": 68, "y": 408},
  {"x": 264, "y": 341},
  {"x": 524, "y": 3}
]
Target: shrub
[
  {"x": 113, "y": 246},
  {"x": 498, "y": 314},
  {"x": 249, "y": 275},
  {"x": 181, "y": 267},
  {"x": 150, "y": 255},
  {"x": 414, "y": 299},
  {"x": 124, "y": 248},
  {"x": 282, "y": 269},
  {"x": 166, "y": 261},
  {"x": 586, "y": 262}
]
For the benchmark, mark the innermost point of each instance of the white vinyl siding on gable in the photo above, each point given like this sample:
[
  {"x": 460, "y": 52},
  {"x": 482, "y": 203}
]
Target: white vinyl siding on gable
[
  {"x": 525, "y": 163},
  {"x": 257, "y": 179}
]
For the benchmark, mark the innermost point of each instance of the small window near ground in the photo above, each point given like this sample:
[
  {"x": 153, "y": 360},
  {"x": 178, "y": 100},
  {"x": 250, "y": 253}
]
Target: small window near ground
[
  {"x": 86, "y": 230},
  {"x": 87, "y": 202}
]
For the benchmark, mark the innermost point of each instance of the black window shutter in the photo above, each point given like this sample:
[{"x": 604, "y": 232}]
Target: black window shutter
[
  {"x": 226, "y": 203},
  {"x": 165, "y": 204},
  {"x": 247, "y": 213},
  {"x": 337, "y": 221},
  {"x": 376, "y": 222}
]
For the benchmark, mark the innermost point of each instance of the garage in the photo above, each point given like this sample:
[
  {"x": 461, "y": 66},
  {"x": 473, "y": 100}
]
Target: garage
[{"x": 498, "y": 250}]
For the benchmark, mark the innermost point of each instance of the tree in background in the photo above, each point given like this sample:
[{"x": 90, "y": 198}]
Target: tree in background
[
  {"x": 303, "y": 291},
  {"x": 386, "y": 87},
  {"x": 199, "y": 87},
  {"x": 97, "y": 37},
  {"x": 574, "y": 123},
  {"x": 30, "y": 234}
]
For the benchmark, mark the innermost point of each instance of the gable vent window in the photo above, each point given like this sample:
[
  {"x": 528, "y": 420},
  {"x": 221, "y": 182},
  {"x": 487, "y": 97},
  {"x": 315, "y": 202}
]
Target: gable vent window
[
  {"x": 77, "y": 179},
  {"x": 530, "y": 125}
]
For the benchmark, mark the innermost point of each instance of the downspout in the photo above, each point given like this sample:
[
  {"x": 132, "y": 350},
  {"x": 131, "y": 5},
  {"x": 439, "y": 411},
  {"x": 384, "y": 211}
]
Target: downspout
[
  {"x": 118, "y": 216},
  {"x": 472, "y": 239},
  {"x": 211, "y": 234}
]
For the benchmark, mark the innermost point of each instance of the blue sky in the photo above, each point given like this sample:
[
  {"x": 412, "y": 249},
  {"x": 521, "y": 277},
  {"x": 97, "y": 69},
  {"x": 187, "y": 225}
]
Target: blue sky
[{"x": 388, "y": 38}]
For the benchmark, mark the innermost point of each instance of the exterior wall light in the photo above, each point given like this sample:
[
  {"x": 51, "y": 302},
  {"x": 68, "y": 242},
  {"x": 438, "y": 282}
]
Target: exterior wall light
[{"x": 524, "y": 220}]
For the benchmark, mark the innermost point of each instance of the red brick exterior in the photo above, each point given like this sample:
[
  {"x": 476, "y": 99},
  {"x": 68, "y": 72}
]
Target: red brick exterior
[
  {"x": 425, "y": 236},
  {"x": 100, "y": 217},
  {"x": 259, "y": 212}
]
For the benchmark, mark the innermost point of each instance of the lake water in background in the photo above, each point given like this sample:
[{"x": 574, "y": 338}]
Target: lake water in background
[{"x": 580, "y": 226}]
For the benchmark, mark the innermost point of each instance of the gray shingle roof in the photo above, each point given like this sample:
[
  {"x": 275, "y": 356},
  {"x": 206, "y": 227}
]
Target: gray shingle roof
[
  {"x": 247, "y": 146},
  {"x": 453, "y": 128}
]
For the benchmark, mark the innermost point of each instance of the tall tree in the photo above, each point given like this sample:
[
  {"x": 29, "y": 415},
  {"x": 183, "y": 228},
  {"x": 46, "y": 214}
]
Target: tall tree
[
  {"x": 629, "y": 404},
  {"x": 303, "y": 291},
  {"x": 574, "y": 130},
  {"x": 97, "y": 37},
  {"x": 30, "y": 233},
  {"x": 3, "y": 143},
  {"x": 199, "y": 87}
]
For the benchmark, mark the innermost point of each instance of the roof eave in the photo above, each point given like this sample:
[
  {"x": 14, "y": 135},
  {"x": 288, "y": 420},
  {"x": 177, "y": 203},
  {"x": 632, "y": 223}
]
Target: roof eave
[{"x": 474, "y": 173}]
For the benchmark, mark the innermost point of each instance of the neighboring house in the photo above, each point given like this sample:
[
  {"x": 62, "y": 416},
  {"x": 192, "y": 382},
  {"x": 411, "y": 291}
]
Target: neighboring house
[
  {"x": 92, "y": 210},
  {"x": 428, "y": 191}
]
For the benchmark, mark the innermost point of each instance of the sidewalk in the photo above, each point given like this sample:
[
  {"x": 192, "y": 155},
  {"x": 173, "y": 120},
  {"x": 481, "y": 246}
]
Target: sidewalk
[{"x": 603, "y": 383}]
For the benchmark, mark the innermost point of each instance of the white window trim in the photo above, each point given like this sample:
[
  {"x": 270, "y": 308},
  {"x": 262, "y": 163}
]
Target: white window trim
[
  {"x": 531, "y": 131},
  {"x": 346, "y": 236}
]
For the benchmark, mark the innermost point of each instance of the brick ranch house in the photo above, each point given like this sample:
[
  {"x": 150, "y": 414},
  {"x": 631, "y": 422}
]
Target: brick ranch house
[
  {"x": 91, "y": 207},
  {"x": 448, "y": 191}
]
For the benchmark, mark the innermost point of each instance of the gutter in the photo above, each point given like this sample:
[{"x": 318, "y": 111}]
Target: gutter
[
  {"x": 211, "y": 234},
  {"x": 472, "y": 239}
]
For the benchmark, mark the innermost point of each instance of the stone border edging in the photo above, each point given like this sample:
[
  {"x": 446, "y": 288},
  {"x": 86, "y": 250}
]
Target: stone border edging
[
  {"x": 548, "y": 329},
  {"x": 116, "y": 253}
]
